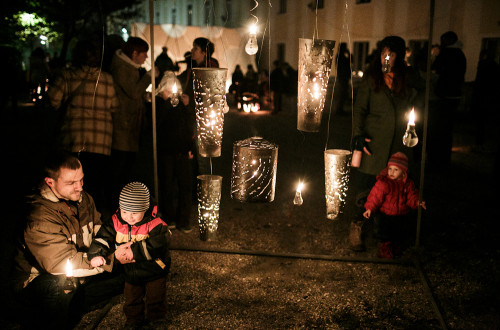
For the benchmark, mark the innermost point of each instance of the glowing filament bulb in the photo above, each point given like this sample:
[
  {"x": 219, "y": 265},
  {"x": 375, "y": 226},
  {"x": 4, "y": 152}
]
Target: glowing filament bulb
[
  {"x": 252, "y": 47},
  {"x": 297, "y": 200},
  {"x": 69, "y": 269},
  {"x": 410, "y": 138}
]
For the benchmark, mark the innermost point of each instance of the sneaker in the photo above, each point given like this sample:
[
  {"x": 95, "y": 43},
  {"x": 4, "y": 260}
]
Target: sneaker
[
  {"x": 186, "y": 229},
  {"x": 171, "y": 225},
  {"x": 385, "y": 250}
]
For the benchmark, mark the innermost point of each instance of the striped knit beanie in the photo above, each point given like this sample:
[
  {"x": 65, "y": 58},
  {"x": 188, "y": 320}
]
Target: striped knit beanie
[
  {"x": 134, "y": 197},
  {"x": 400, "y": 160}
]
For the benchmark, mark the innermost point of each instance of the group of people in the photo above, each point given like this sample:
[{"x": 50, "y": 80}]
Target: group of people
[
  {"x": 127, "y": 250},
  {"x": 114, "y": 234},
  {"x": 70, "y": 261},
  {"x": 267, "y": 89}
]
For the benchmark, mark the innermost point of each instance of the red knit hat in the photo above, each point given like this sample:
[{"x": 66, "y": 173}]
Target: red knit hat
[{"x": 400, "y": 160}]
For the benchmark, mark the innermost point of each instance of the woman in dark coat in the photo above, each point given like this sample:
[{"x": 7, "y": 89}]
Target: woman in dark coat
[{"x": 380, "y": 117}]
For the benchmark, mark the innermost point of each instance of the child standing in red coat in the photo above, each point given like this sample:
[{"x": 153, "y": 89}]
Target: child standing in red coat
[{"x": 390, "y": 201}]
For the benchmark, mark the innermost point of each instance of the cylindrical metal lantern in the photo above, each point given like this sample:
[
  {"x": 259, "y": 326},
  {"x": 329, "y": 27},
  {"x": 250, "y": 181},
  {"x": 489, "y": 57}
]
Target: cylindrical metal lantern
[
  {"x": 209, "y": 193},
  {"x": 337, "y": 171},
  {"x": 209, "y": 86},
  {"x": 315, "y": 62},
  {"x": 253, "y": 178}
]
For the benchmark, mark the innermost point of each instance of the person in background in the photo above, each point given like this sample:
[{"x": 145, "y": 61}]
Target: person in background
[
  {"x": 385, "y": 96},
  {"x": 389, "y": 203},
  {"x": 343, "y": 79},
  {"x": 237, "y": 81},
  {"x": 60, "y": 226},
  {"x": 175, "y": 124},
  {"x": 131, "y": 82},
  {"x": 450, "y": 67},
  {"x": 201, "y": 57},
  {"x": 88, "y": 99},
  {"x": 145, "y": 239},
  {"x": 277, "y": 85},
  {"x": 164, "y": 63}
]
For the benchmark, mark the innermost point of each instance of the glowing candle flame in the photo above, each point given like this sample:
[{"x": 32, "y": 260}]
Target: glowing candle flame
[
  {"x": 69, "y": 269},
  {"x": 411, "y": 120},
  {"x": 149, "y": 89},
  {"x": 174, "y": 88},
  {"x": 387, "y": 58},
  {"x": 298, "y": 200},
  {"x": 316, "y": 92}
]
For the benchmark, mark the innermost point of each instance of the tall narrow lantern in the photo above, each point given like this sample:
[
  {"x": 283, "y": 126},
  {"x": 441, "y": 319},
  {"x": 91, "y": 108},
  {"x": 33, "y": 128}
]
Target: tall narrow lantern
[
  {"x": 209, "y": 193},
  {"x": 315, "y": 62},
  {"x": 336, "y": 180},
  {"x": 210, "y": 99},
  {"x": 253, "y": 178}
]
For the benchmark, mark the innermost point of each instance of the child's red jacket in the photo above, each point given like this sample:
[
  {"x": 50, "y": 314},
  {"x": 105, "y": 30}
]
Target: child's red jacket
[{"x": 392, "y": 197}]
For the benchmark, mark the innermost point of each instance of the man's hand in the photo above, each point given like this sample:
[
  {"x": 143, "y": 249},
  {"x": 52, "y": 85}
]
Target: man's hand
[
  {"x": 124, "y": 253},
  {"x": 367, "y": 214}
]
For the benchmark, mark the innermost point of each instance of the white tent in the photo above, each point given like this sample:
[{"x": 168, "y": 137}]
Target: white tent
[{"x": 229, "y": 43}]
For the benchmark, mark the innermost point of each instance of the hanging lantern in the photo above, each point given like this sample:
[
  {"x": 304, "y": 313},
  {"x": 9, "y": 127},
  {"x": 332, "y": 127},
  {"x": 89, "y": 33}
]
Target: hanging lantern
[
  {"x": 315, "y": 62},
  {"x": 210, "y": 100},
  {"x": 209, "y": 193},
  {"x": 253, "y": 178},
  {"x": 336, "y": 180}
]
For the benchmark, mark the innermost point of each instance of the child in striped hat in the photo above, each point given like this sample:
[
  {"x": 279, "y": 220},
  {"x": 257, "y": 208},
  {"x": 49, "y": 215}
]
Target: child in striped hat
[
  {"x": 390, "y": 201},
  {"x": 143, "y": 241}
]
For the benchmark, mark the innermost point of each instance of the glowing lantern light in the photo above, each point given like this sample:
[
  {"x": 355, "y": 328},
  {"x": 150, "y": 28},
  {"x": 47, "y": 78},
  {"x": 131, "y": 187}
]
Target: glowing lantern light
[
  {"x": 337, "y": 172},
  {"x": 210, "y": 100},
  {"x": 209, "y": 194},
  {"x": 253, "y": 178},
  {"x": 315, "y": 62}
]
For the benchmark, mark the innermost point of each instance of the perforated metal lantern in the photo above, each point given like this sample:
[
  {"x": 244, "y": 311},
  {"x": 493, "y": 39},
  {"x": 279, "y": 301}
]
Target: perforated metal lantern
[
  {"x": 253, "y": 178},
  {"x": 209, "y": 193},
  {"x": 337, "y": 170},
  {"x": 209, "y": 86},
  {"x": 315, "y": 62}
]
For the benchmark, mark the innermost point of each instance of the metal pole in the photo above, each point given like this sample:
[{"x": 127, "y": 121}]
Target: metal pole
[
  {"x": 426, "y": 116},
  {"x": 153, "y": 92}
]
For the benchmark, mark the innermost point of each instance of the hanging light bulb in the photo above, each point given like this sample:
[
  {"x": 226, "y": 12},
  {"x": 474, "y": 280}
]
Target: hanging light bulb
[
  {"x": 174, "y": 99},
  {"x": 386, "y": 68},
  {"x": 252, "y": 47},
  {"x": 410, "y": 138},
  {"x": 297, "y": 200}
]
